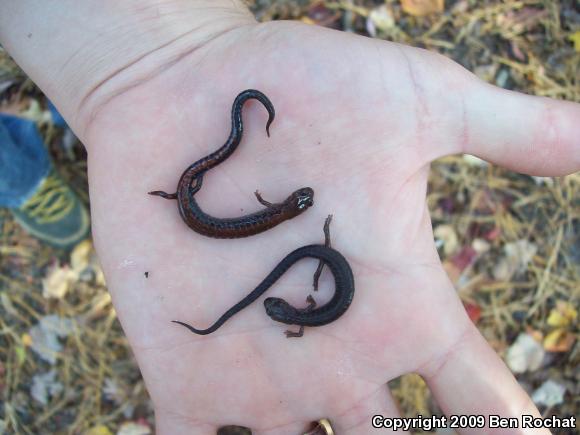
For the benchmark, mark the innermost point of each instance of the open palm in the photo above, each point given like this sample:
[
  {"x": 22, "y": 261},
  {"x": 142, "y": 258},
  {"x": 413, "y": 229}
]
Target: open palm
[{"x": 357, "y": 120}]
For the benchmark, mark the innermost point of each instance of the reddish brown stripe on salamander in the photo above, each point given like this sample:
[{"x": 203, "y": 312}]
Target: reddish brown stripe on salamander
[{"x": 248, "y": 225}]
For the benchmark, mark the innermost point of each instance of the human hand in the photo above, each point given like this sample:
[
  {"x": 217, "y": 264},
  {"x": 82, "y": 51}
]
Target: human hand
[
  {"x": 359, "y": 121},
  {"x": 363, "y": 139}
]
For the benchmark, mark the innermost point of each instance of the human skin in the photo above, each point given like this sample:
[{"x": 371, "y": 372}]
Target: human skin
[{"x": 147, "y": 86}]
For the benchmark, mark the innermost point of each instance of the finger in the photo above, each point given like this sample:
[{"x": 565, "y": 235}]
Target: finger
[
  {"x": 533, "y": 135},
  {"x": 470, "y": 379}
]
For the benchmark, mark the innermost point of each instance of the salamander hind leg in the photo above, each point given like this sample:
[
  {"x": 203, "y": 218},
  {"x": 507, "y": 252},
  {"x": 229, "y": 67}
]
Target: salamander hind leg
[
  {"x": 198, "y": 183},
  {"x": 292, "y": 334},
  {"x": 163, "y": 194},
  {"x": 300, "y": 333}
]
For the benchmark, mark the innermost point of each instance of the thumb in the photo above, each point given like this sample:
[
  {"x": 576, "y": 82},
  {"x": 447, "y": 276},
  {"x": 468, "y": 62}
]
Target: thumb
[{"x": 533, "y": 135}]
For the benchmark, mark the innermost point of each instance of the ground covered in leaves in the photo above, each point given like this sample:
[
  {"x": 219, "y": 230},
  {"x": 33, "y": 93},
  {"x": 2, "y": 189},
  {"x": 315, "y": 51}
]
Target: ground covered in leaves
[{"x": 510, "y": 242}]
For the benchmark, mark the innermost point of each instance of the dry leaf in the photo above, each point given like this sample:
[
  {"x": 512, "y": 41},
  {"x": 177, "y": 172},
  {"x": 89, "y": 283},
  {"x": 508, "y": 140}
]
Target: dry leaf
[
  {"x": 26, "y": 340},
  {"x": 502, "y": 77},
  {"x": 474, "y": 161},
  {"x": 466, "y": 257},
  {"x": 420, "y": 8},
  {"x": 487, "y": 74},
  {"x": 45, "y": 386},
  {"x": 473, "y": 311},
  {"x": 562, "y": 315},
  {"x": 113, "y": 392},
  {"x": 516, "y": 259},
  {"x": 380, "y": 18},
  {"x": 559, "y": 340},
  {"x": 58, "y": 281},
  {"x": 547, "y": 181},
  {"x": 448, "y": 237},
  {"x": 549, "y": 394},
  {"x": 45, "y": 336},
  {"x": 132, "y": 428},
  {"x": 535, "y": 334},
  {"x": 85, "y": 263},
  {"x": 480, "y": 246},
  {"x": 460, "y": 7},
  {"x": 525, "y": 354},
  {"x": 98, "y": 430},
  {"x": 36, "y": 114},
  {"x": 81, "y": 255},
  {"x": 575, "y": 38}
]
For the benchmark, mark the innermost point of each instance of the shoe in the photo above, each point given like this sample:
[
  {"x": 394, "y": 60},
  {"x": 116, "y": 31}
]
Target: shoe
[{"x": 54, "y": 214}]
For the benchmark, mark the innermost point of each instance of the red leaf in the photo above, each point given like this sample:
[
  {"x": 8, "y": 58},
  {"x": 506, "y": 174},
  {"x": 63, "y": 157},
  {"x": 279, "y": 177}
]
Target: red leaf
[
  {"x": 473, "y": 311},
  {"x": 464, "y": 258}
]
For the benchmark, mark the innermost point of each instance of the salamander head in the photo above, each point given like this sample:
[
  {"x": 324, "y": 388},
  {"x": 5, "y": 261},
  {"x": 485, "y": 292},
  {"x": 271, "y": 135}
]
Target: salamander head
[
  {"x": 279, "y": 310},
  {"x": 299, "y": 201}
]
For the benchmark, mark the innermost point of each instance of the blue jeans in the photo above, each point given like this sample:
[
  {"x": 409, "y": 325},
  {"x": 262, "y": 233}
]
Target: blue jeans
[{"x": 24, "y": 160}]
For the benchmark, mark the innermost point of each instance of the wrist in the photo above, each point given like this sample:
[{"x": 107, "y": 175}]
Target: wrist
[{"x": 103, "y": 50}]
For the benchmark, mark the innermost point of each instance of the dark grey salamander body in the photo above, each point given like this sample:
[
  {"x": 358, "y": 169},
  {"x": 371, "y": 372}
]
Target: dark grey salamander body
[{"x": 280, "y": 310}]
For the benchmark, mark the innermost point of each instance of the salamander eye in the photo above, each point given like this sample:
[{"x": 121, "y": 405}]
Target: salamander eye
[{"x": 304, "y": 203}]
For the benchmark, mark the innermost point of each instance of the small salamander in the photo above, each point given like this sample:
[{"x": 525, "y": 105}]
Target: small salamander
[
  {"x": 280, "y": 310},
  {"x": 228, "y": 228}
]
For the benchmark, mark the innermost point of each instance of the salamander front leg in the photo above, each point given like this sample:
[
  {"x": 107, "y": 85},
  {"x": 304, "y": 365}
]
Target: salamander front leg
[
  {"x": 300, "y": 333},
  {"x": 262, "y": 200},
  {"x": 327, "y": 244}
]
